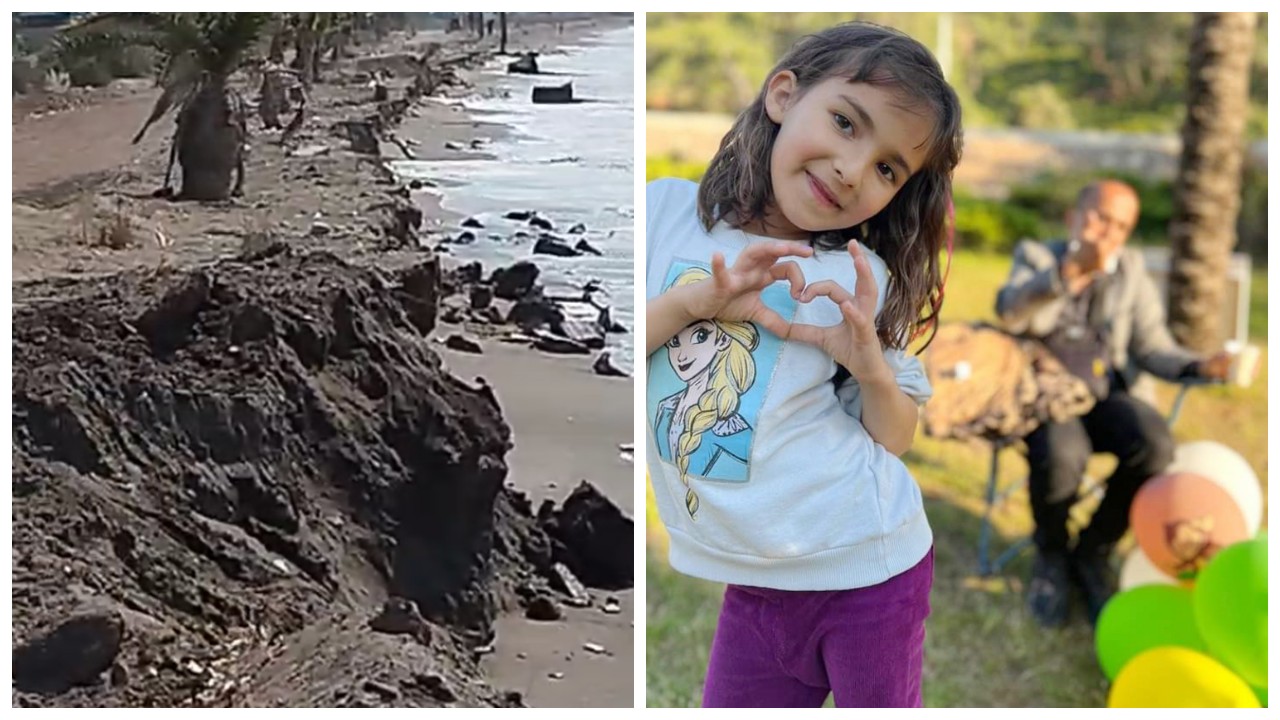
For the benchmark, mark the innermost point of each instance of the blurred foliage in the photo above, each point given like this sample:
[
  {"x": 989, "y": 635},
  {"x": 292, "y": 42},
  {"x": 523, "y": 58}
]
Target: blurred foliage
[
  {"x": 26, "y": 76},
  {"x": 662, "y": 167},
  {"x": 133, "y": 62},
  {"x": 1037, "y": 209},
  {"x": 88, "y": 73},
  {"x": 1039, "y": 106},
  {"x": 1050, "y": 195},
  {"x": 994, "y": 226},
  {"x": 1115, "y": 71},
  {"x": 128, "y": 61},
  {"x": 1252, "y": 226}
]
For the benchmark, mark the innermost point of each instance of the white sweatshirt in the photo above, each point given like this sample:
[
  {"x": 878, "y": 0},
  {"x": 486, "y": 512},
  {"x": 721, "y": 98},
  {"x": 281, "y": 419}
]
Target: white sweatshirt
[{"x": 791, "y": 491}]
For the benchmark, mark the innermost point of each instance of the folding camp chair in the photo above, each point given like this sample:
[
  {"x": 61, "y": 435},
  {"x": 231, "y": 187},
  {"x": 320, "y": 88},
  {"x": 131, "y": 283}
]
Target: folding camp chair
[{"x": 996, "y": 496}]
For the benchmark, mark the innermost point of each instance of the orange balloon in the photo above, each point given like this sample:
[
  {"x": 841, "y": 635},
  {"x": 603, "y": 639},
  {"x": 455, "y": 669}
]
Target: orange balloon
[{"x": 1181, "y": 520}]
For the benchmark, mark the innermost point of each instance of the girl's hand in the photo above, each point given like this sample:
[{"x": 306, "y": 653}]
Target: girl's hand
[
  {"x": 853, "y": 343},
  {"x": 733, "y": 293}
]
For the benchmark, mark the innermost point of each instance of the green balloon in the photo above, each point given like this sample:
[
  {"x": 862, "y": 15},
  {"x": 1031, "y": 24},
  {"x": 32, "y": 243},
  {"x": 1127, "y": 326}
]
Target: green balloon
[
  {"x": 1230, "y": 602},
  {"x": 1262, "y": 695},
  {"x": 1142, "y": 618}
]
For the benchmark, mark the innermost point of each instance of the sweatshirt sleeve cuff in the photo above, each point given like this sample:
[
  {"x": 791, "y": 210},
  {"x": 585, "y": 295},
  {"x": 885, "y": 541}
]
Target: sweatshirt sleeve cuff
[
  {"x": 1190, "y": 371},
  {"x": 1049, "y": 282}
]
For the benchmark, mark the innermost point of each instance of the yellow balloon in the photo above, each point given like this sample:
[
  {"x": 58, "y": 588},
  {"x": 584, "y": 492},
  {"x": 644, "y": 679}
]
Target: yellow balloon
[{"x": 1175, "y": 677}]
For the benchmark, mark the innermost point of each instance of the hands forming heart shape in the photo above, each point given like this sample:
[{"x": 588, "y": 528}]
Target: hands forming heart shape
[{"x": 733, "y": 293}]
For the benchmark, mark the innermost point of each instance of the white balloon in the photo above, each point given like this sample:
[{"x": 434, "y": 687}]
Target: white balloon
[
  {"x": 1228, "y": 470},
  {"x": 1139, "y": 570}
]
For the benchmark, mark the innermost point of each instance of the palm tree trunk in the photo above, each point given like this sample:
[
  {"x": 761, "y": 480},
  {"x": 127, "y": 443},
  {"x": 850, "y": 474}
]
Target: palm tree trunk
[
  {"x": 301, "y": 52},
  {"x": 340, "y": 43},
  {"x": 210, "y": 141},
  {"x": 272, "y": 101},
  {"x": 502, "y": 20},
  {"x": 317, "y": 55},
  {"x": 307, "y": 46},
  {"x": 1202, "y": 232},
  {"x": 276, "y": 52}
]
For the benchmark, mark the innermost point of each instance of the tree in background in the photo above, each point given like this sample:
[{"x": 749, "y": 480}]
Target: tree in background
[
  {"x": 309, "y": 29},
  {"x": 281, "y": 31},
  {"x": 198, "y": 53},
  {"x": 1207, "y": 190},
  {"x": 1115, "y": 71}
]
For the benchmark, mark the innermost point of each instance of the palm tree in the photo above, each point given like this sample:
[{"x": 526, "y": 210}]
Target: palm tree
[
  {"x": 1206, "y": 193},
  {"x": 281, "y": 35},
  {"x": 344, "y": 28},
  {"x": 502, "y": 20},
  {"x": 198, "y": 53},
  {"x": 308, "y": 29},
  {"x": 315, "y": 33}
]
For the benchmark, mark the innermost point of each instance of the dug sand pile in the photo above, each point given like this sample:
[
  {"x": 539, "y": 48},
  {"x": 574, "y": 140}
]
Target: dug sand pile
[{"x": 254, "y": 483}]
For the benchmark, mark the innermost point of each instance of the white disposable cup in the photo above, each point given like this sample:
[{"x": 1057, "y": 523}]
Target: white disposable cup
[{"x": 1244, "y": 364}]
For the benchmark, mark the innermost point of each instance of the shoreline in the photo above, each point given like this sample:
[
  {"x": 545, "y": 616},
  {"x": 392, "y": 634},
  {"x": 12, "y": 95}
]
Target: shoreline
[
  {"x": 528, "y": 654},
  {"x": 472, "y": 194}
]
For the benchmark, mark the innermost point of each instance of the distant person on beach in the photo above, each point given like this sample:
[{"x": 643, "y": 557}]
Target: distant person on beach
[
  {"x": 1091, "y": 301},
  {"x": 783, "y": 291}
]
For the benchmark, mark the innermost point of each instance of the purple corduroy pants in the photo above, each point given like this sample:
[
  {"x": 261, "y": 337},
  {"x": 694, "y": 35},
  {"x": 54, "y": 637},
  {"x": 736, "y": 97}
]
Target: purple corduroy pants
[{"x": 781, "y": 648}]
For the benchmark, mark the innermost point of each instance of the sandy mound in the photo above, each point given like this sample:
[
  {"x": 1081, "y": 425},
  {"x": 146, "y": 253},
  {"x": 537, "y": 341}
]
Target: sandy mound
[{"x": 255, "y": 484}]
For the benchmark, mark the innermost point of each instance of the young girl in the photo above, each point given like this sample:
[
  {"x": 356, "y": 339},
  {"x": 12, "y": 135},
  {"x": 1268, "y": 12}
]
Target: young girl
[{"x": 774, "y": 452}]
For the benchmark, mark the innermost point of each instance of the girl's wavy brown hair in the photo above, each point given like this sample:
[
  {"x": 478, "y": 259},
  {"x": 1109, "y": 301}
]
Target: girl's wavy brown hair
[{"x": 909, "y": 232}]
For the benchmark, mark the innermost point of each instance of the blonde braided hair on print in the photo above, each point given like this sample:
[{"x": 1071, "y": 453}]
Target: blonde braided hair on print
[{"x": 732, "y": 373}]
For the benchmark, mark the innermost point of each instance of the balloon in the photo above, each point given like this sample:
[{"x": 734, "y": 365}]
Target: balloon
[
  {"x": 1145, "y": 617},
  {"x": 1230, "y": 602},
  {"x": 1170, "y": 677},
  {"x": 1181, "y": 520},
  {"x": 1227, "y": 469},
  {"x": 1139, "y": 570},
  {"x": 1262, "y": 695}
]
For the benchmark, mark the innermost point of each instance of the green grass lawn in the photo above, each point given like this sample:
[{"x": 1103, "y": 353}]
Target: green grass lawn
[{"x": 982, "y": 648}]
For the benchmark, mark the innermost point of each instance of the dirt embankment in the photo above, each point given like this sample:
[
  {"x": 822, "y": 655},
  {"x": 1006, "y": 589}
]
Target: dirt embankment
[{"x": 221, "y": 476}]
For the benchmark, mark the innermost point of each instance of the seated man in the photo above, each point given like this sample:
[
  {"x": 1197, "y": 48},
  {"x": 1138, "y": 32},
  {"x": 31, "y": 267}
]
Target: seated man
[{"x": 1091, "y": 301}]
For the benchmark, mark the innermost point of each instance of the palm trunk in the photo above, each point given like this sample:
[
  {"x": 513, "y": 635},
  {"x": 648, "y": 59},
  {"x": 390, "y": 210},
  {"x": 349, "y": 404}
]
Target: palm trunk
[
  {"x": 317, "y": 55},
  {"x": 210, "y": 143},
  {"x": 1202, "y": 232},
  {"x": 276, "y": 52},
  {"x": 272, "y": 101},
  {"x": 502, "y": 20},
  {"x": 340, "y": 43},
  {"x": 305, "y": 59}
]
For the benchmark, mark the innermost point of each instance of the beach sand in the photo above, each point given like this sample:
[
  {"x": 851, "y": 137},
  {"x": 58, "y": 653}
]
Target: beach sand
[{"x": 568, "y": 423}]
